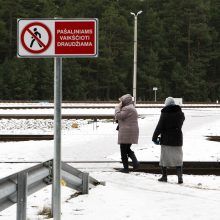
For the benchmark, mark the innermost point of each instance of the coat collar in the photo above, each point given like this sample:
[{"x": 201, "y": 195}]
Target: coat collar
[{"x": 171, "y": 108}]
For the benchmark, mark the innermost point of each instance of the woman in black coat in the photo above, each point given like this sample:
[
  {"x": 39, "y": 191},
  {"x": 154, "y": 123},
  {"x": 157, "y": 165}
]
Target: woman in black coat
[{"x": 168, "y": 134}]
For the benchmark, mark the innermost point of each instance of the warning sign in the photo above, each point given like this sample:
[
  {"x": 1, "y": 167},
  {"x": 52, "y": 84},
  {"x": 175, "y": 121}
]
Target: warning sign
[
  {"x": 36, "y": 38},
  {"x": 77, "y": 40},
  {"x": 57, "y": 38}
]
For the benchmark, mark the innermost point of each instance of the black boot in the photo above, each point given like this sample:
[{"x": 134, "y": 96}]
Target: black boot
[
  {"x": 125, "y": 165},
  {"x": 123, "y": 170},
  {"x": 180, "y": 174},
  {"x": 134, "y": 160},
  {"x": 164, "y": 175}
]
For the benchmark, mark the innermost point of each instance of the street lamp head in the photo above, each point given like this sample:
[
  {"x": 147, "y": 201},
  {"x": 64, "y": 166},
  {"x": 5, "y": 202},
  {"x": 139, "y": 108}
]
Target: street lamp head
[
  {"x": 132, "y": 13},
  {"x": 139, "y": 12}
]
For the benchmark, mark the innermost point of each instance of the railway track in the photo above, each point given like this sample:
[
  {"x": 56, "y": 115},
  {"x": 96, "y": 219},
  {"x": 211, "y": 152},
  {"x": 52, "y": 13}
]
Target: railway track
[
  {"x": 189, "y": 167},
  {"x": 94, "y": 115},
  {"x": 213, "y": 138},
  {"x": 24, "y": 137},
  {"x": 106, "y": 106},
  {"x": 36, "y": 137},
  {"x": 51, "y": 116}
]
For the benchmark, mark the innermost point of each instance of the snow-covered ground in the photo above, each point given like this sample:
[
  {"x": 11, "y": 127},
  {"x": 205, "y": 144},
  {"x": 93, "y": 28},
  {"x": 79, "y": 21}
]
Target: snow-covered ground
[{"x": 134, "y": 196}]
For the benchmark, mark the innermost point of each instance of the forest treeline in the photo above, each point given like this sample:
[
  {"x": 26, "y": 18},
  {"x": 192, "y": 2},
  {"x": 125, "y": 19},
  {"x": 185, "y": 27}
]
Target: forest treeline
[{"x": 178, "y": 51}]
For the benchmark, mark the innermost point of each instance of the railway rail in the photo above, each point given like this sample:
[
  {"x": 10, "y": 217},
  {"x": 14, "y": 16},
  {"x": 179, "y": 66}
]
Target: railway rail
[
  {"x": 25, "y": 137},
  {"x": 94, "y": 117},
  {"x": 189, "y": 167},
  {"x": 108, "y": 106},
  {"x": 37, "y": 137}
]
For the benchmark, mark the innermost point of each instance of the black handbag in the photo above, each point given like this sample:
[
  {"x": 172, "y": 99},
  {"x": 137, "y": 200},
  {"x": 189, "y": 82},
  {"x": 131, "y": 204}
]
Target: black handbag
[{"x": 117, "y": 128}]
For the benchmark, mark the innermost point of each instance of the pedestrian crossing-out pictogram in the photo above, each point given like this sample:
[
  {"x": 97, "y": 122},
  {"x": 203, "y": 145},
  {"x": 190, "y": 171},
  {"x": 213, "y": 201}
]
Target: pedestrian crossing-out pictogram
[{"x": 36, "y": 37}]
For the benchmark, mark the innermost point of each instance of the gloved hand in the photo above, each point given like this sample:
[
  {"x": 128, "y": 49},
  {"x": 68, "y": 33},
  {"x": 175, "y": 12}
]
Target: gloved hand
[
  {"x": 157, "y": 142},
  {"x": 119, "y": 105}
]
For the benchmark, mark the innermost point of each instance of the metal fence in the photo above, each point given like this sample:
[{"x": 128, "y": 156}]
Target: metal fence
[{"x": 16, "y": 187}]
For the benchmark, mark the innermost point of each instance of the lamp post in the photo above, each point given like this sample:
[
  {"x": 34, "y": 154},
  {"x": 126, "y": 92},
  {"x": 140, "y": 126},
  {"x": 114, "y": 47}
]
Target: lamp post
[
  {"x": 135, "y": 56},
  {"x": 155, "y": 93}
]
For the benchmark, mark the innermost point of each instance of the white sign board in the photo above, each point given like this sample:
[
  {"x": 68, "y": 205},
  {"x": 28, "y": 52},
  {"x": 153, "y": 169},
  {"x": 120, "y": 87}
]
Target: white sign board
[
  {"x": 178, "y": 101},
  {"x": 57, "y": 38}
]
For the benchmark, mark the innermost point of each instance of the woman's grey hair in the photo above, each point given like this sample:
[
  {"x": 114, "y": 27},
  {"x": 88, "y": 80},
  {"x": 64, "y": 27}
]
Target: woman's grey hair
[{"x": 169, "y": 101}]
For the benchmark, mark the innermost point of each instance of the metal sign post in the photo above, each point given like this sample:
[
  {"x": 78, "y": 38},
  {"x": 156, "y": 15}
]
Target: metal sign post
[{"x": 56, "y": 194}]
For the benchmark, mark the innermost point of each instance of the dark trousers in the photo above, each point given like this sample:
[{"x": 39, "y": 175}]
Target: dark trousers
[{"x": 125, "y": 152}]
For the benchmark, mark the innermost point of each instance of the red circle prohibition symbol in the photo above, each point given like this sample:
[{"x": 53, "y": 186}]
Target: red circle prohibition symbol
[{"x": 27, "y": 29}]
